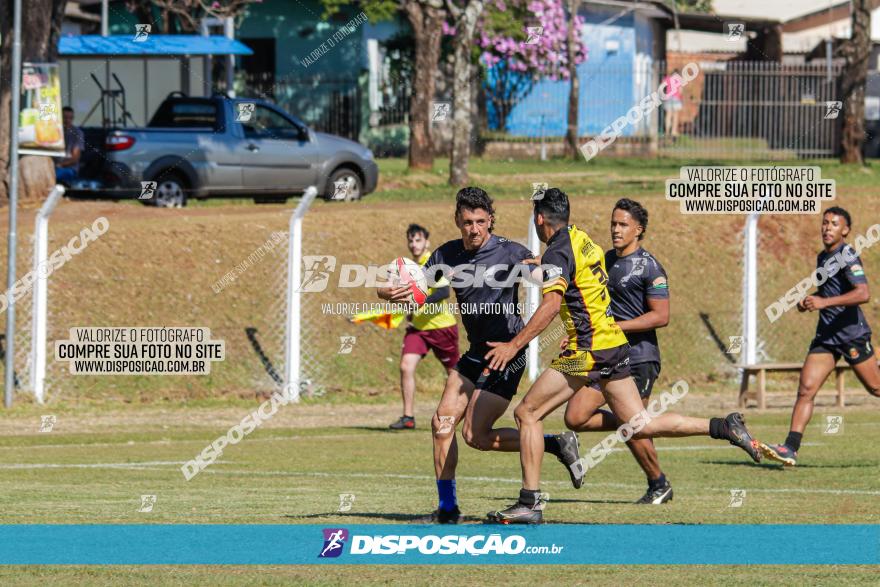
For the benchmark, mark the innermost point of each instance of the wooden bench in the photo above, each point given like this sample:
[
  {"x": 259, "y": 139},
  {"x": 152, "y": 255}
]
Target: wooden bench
[{"x": 761, "y": 369}]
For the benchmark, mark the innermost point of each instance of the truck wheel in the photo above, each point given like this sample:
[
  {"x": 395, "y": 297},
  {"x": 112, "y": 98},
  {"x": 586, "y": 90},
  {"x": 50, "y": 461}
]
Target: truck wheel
[
  {"x": 170, "y": 192},
  {"x": 344, "y": 185}
]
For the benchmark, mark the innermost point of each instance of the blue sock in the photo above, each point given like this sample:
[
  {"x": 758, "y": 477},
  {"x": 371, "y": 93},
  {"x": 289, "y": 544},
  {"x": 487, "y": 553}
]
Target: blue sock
[
  {"x": 658, "y": 482},
  {"x": 446, "y": 491}
]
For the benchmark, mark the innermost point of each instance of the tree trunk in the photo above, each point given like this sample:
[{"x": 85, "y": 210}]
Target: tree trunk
[
  {"x": 462, "y": 94},
  {"x": 571, "y": 133},
  {"x": 40, "y": 30},
  {"x": 856, "y": 51},
  {"x": 425, "y": 21}
]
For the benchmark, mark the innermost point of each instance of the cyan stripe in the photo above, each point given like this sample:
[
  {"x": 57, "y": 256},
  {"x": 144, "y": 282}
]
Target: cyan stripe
[{"x": 251, "y": 544}]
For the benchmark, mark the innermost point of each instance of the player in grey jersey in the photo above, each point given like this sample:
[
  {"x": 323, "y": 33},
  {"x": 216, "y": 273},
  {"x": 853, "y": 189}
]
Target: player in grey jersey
[
  {"x": 841, "y": 331},
  {"x": 639, "y": 292},
  {"x": 475, "y": 395}
]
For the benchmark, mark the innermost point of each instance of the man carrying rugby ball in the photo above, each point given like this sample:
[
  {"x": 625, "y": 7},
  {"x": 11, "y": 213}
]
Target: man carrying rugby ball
[
  {"x": 473, "y": 393},
  {"x": 430, "y": 329}
]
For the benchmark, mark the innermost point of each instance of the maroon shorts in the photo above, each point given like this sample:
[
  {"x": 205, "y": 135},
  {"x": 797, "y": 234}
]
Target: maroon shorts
[{"x": 443, "y": 341}]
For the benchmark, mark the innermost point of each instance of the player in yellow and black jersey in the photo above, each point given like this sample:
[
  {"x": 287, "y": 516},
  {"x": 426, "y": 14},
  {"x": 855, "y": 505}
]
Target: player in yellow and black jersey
[
  {"x": 574, "y": 288},
  {"x": 577, "y": 271}
]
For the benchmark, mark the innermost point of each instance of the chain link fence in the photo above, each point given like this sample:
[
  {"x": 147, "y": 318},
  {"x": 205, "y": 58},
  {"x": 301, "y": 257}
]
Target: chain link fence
[
  {"x": 160, "y": 268},
  {"x": 155, "y": 268},
  {"x": 703, "y": 260},
  {"x": 786, "y": 255},
  {"x": 24, "y": 315}
]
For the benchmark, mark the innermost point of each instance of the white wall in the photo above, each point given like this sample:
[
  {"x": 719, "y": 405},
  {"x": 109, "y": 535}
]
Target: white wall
[{"x": 146, "y": 81}]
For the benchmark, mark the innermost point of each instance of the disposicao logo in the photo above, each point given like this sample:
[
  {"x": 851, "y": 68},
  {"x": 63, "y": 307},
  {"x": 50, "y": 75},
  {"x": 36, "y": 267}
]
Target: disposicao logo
[{"x": 334, "y": 540}]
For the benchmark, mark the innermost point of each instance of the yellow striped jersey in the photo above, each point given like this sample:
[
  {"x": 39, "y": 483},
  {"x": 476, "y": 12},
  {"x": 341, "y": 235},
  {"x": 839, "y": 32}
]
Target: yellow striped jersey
[{"x": 575, "y": 266}]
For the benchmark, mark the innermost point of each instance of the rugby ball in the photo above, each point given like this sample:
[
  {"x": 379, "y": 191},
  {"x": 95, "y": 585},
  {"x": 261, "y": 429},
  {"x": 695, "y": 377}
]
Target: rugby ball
[{"x": 403, "y": 271}]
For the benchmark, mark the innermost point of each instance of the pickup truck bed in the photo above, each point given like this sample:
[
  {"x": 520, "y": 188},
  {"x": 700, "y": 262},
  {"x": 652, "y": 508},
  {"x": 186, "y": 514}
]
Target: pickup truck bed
[{"x": 204, "y": 147}]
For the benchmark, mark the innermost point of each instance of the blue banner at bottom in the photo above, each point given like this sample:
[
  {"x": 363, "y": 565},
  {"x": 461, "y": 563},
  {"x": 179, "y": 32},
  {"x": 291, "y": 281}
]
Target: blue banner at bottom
[{"x": 416, "y": 544}]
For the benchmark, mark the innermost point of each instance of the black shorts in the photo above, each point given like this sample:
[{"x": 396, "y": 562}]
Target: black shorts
[
  {"x": 644, "y": 375},
  {"x": 853, "y": 352},
  {"x": 501, "y": 383}
]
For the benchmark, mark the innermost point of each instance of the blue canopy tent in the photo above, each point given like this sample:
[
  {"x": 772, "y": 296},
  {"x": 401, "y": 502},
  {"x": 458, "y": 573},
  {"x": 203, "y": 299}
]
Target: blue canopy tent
[
  {"x": 134, "y": 76},
  {"x": 155, "y": 45}
]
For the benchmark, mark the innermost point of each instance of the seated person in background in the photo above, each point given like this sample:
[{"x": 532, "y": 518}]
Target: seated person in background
[{"x": 67, "y": 169}]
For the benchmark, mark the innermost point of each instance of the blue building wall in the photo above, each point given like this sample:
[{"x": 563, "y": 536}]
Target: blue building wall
[{"x": 612, "y": 79}]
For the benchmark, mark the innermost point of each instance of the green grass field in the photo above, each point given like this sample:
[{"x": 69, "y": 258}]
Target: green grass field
[{"x": 94, "y": 466}]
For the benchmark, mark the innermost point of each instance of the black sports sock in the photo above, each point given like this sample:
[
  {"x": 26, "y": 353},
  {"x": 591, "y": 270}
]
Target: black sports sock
[
  {"x": 657, "y": 483},
  {"x": 794, "y": 441},
  {"x": 718, "y": 428},
  {"x": 529, "y": 497},
  {"x": 551, "y": 445}
]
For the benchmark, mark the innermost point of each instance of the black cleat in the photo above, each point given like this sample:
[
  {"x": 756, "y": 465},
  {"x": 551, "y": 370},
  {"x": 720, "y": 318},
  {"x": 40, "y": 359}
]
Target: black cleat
[
  {"x": 571, "y": 458},
  {"x": 518, "y": 513},
  {"x": 404, "y": 423},
  {"x": 738, "y": 435},
  {"x": 439, "y": 516},
  {"x": 657, "y": 496}
]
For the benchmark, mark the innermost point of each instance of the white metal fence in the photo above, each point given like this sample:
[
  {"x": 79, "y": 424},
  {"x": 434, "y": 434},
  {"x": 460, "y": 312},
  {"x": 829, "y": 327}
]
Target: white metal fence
[{"x": 730, "y": 110}]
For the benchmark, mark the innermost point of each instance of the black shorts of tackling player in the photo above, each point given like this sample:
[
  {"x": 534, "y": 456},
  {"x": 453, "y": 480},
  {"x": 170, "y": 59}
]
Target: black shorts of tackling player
[
  {"x": 853, "y": 352},
  {"x": 501, "y": 383},
  {"x": 645, "y": 375}
]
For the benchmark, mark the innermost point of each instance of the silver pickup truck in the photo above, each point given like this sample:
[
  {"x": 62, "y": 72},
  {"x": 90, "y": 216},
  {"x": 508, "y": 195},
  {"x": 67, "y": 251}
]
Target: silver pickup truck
[{"x": 218, "y": 146}]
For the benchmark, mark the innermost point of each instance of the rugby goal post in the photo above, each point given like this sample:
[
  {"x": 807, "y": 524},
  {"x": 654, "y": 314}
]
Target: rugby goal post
[
  {"x": 40, "y": 294},
  {"x": 293, "y": 326}
]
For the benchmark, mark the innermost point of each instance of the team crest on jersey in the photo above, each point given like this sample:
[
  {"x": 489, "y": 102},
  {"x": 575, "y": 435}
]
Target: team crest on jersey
[
  {"x": 660, "y": 282},
  {"x": 638, "y": 268},
  {"x": 857, "y": 269}
]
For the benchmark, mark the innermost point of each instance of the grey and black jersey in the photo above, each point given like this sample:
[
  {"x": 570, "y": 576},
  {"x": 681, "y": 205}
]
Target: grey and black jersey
[
  {"x": 488, "y": 313},
  {"x": 632, "y": 281},
  {"x": 841, "y": 324}
]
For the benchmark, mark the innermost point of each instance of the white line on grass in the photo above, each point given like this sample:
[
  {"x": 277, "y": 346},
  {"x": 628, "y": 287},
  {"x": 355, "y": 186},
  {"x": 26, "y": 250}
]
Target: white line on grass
[
  {"x": 517, "y": 481},
  {"x": 179, "y": 463},
  {"x": 702, "y": 447},
  {"x": 180, "y": 441},
  {"x": 304, "y": 437},
  {"x": 89, "y": 465}
]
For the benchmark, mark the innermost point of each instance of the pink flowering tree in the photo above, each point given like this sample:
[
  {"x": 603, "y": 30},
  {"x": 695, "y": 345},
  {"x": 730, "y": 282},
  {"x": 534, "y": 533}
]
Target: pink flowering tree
[{"x": 519, "y": 43}]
